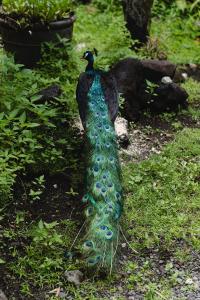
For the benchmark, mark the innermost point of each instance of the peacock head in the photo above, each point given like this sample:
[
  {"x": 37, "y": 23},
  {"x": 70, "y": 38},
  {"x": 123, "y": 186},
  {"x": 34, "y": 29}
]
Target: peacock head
[{"x": 88, "y": 55}]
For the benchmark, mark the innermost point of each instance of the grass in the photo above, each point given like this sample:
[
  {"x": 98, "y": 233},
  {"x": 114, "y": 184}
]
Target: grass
[
  {"x": 90, "y": 33},
  {"x": 159, "y": 210},
  {"x": 176, "y": 40},
  {"x": 192, "y": 88}
]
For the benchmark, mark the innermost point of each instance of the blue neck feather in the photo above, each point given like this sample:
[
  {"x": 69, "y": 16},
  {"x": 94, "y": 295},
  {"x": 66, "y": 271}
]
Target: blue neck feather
[{"x": 90, "y": 66}]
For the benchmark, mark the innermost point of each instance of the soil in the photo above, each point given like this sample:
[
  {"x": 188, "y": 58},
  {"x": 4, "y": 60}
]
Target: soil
[{"x": 151, "y": 133}]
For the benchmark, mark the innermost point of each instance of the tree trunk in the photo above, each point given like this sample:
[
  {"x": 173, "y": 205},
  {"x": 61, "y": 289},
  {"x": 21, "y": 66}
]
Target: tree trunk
[{"x": 137, "y": 15}]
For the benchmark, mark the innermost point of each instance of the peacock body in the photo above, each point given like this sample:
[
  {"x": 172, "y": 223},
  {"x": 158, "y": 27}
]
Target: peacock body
[{"x": 103, "y": 180}]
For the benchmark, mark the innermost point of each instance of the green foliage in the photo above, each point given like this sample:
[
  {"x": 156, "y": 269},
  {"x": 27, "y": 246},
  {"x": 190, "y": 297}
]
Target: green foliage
[
  {"x": 163, "y": 195},
  {"x": 37, "y": 10},
  {"x": 44, "y": 255},
  {"x": 35, "y": 132},
  {"x": 162, "y": 8},
  {"x": 193, "y": 89},
  {"x": 177, "y": 39},
  {"x": 111, "y": 5},
  {"x": 112, "y": 46},
  {"x": 37, "y": 188}
]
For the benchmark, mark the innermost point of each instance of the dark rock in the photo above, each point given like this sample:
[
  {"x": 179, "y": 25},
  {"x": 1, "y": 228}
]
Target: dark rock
[
  {"x": 131, "y": 75},
  {"x": 131, "y": 84},
  {"x": 168, "y": 97},
  {"x": 155, "y": 69},
  {"x": 49, "y": 93}
]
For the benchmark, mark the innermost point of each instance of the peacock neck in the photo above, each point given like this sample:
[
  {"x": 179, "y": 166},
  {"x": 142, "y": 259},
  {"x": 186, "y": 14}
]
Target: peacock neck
[{"x": 90, "y": 66}]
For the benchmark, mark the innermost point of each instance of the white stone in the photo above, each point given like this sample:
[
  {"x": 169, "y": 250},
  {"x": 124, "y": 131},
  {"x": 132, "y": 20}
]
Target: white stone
[
  {"x": 74, "y": 276},
  {"x": 121, "y": 126},
  {"x": 185, "y": 76},
  {"x": 166, "y": 80},
  {"x": 189, "y": 281},
  {"x": 79, "y": 124},
  {"x": 2, "y": 295}
]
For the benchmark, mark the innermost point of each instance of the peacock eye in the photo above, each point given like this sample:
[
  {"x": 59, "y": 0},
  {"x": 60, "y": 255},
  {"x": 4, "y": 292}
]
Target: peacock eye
[
  {"x": 98, "y": 185},
  {"x": 89, "y": 244},
  {"x": 96, "y": 169},
  {"x": 103, "y": 190},
  {"x": 85, "y": 198},
  {"x": 109, "y": 234},
  {"x": 118, "y": 195},
  {"x": 103, "y": 227}
]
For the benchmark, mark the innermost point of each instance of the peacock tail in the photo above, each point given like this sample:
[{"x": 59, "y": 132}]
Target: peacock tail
[{"x": 103, "y": 181}]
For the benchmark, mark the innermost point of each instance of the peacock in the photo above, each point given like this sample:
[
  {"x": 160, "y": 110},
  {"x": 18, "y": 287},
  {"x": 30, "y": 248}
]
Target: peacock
[{"x": 97, "y": 99}]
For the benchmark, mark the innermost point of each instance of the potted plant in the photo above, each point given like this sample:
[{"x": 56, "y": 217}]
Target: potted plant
[{"x": 26, "y": 24}]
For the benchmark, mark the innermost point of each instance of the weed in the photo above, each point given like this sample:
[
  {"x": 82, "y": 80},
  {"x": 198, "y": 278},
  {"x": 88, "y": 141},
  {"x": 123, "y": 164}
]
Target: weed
[
  {"x": 37, "y": 188},
  {"x": 177, "y": 39},
  {"x": 193, "y": 89}
]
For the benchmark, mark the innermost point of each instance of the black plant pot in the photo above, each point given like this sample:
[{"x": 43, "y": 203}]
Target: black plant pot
[{"x": 26, "y": 44}]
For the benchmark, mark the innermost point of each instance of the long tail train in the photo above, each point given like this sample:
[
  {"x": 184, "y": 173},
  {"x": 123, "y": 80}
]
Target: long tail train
[
  {"x": 104, "y": 191},
  {"x": 97, "y": 99}
]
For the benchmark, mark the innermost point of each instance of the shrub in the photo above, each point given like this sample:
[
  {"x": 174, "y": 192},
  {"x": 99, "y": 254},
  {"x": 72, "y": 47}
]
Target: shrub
[
  {"x": 176, "y": 7},
  {"x": 37, "y": 10},
  {"x": 32, "y": 132}
]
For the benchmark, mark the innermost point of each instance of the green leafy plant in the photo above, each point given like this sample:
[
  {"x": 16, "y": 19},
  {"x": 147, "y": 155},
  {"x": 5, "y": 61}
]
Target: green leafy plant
[
  {"x": 163, "y": 8},
  {"x": 44, "y": 254},
  {"x": 37, "y": 10},
  {"x": 108, "y": 4},
  {"x": 34, "y": 132},
  {"x": 151, "y": 87},
  {"x": 37, "y": 188}
]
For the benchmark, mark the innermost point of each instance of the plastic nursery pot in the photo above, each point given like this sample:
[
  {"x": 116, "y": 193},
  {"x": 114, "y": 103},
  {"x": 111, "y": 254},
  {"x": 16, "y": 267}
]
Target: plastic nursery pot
[{"x": 26, "y": 44}]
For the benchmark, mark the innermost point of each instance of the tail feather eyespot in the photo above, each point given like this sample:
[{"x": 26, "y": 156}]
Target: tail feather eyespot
[
  {"x": 88, "y": 245},
  {"x": 85, "y": 198},
  {"x": 109, "y": 235}
]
